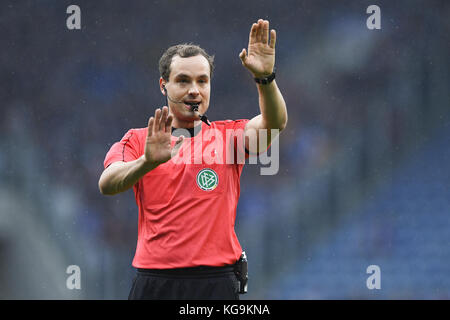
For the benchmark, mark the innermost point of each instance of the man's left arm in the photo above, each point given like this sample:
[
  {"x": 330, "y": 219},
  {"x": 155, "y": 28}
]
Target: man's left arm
[{"x": 260, "y": 61}]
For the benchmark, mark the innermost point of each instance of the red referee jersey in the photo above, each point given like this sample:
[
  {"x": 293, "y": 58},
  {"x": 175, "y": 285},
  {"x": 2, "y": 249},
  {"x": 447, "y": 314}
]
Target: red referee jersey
[{"x": 187, "y": 206}]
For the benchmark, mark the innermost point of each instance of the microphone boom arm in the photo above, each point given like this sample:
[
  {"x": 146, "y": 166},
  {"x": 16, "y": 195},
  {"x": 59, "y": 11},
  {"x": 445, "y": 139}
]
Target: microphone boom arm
[{"x": 194, "y": 107}]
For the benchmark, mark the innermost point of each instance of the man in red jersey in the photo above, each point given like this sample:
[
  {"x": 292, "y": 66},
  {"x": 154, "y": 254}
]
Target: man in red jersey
[{"x": 185, "y": 185}]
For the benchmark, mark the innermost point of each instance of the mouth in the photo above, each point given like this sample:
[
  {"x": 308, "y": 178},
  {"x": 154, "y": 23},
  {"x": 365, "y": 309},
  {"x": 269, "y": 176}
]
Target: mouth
[{"x": 190, "y": 104}]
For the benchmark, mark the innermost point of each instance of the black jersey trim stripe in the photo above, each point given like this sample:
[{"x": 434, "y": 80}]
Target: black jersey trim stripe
[{"x": 125, "y": 144}]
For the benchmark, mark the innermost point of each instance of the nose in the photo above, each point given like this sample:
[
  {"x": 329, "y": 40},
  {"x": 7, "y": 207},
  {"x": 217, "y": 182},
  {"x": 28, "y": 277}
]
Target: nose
[{"x": 193, "y": 90}]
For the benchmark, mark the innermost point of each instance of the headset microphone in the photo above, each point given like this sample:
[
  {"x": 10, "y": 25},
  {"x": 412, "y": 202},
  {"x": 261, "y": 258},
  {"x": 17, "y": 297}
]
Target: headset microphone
[{"x": 194, "y": 107}]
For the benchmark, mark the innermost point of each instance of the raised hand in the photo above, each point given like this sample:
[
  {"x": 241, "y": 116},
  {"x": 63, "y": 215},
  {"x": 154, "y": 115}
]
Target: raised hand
[
  {"x": 260, "y": 59},
  {"x": 158, "y": 147}
]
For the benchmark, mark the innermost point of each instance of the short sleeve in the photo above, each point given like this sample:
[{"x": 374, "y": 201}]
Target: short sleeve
[
  {"x": 239, "y": 129},
  {"x": 127, "y": 149}
]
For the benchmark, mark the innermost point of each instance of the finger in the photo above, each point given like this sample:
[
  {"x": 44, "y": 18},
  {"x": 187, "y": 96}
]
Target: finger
[
  {"x": 273, "y": 38},
  {"x": 157, "y": 120},
  {"x": 243, "y": 55},
  {"x": 169, "y": 123},
  {"x": 259, "y": 31},
  {"x": 177, "y": 146},
  {"x": 162, "y": 124},
  {"x": 265, "y": 32},
  {"x": 179, "y": 141},
  {"x": 252, "y": 36},
  {"x": 150, "y": 127}
]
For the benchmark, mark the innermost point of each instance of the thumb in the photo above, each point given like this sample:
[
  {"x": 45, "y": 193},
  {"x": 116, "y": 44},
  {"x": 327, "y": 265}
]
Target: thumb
[
  {"x": 177, "y": 146},
  {"x": 243, "y": 55}
]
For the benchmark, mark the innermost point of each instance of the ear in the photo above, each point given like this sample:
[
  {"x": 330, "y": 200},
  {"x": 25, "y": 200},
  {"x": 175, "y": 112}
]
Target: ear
[{"x": 162, "y": 86}]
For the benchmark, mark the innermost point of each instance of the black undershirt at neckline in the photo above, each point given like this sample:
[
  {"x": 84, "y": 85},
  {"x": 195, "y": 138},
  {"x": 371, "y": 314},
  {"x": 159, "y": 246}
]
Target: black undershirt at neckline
[{"x": 192, "y": 131}]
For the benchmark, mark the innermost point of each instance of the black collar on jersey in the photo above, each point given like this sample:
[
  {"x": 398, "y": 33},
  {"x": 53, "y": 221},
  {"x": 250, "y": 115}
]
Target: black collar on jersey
[{"x": 192, "y": 131}]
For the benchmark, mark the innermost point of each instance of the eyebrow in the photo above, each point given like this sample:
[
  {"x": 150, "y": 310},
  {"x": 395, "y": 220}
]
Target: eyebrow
[{"x": 183, "y": 75}]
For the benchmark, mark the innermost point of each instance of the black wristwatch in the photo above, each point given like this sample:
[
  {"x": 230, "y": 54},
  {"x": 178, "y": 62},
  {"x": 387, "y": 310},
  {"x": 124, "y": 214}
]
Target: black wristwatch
[{"x": 267, "y": 80}]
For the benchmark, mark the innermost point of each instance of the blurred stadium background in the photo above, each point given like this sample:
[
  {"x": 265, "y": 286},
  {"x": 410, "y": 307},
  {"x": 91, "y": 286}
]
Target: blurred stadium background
[{"x": 364, "y": 162}]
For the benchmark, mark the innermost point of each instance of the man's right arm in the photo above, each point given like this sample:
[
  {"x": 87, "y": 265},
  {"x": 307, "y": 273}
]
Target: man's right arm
[{"x": 121, "y": 176}]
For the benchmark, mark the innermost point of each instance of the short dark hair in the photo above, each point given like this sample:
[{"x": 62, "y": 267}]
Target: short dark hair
[{"x": 184, "y": 50}]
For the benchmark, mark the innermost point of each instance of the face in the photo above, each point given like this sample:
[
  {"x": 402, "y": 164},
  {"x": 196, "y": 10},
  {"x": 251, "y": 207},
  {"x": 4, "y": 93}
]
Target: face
[{"x": 189, "y": 81}]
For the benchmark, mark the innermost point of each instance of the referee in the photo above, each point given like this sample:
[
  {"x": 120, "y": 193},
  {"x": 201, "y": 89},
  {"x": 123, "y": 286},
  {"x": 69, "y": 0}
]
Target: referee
[{"x": 187, "y": 246}]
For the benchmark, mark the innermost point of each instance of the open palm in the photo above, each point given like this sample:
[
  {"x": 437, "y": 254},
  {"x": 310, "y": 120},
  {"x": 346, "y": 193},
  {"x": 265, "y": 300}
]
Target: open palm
[
  {"x": 260, "y": 59},
  {"x": 158, "y": 147}
]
